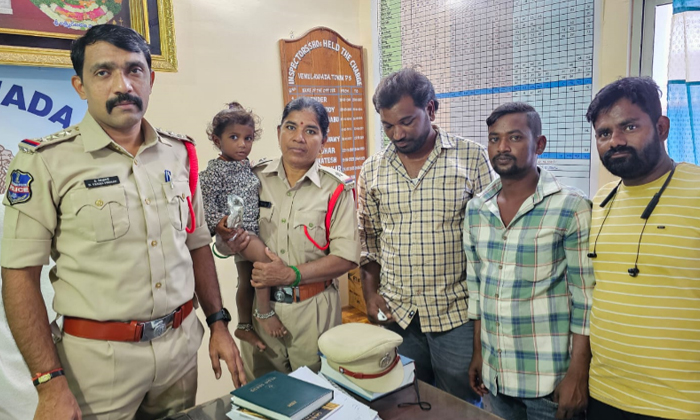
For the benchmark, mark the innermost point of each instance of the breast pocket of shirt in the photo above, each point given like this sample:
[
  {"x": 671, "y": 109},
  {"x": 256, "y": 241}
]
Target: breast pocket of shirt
[
  {"x": 267, "y": 226},
  {"x": 102, "y": 212},
  {"x": 176, "y": 194},
  {"x": 450, "y": 195},
  {"x": 546, "y": 249},
  {"x": 310, "y": 225}
]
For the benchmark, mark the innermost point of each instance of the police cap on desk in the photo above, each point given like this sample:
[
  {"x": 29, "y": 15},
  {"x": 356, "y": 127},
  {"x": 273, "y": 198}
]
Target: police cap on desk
[{"x": 366, "y": 354}]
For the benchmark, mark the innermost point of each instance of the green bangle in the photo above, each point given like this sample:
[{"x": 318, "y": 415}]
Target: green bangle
[
  {"x": 213, "y": 250},
  {"x": 298, "y": 279}
]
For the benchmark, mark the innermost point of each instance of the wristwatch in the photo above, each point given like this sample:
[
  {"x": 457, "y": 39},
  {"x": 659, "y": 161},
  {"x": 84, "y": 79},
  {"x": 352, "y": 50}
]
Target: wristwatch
[{"x": 222, "y": 315}]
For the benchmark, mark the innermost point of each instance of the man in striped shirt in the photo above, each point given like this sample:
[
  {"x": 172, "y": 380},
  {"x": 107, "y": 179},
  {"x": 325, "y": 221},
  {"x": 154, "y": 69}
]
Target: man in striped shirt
[
  {"x": 530, "y": 282},
  {"x": 412, "y": 197},
  {"x": 645, "y": 242}
]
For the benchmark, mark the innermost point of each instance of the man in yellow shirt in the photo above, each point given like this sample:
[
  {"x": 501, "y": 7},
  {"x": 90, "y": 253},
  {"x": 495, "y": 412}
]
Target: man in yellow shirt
[{"x": 645, "y": 237}]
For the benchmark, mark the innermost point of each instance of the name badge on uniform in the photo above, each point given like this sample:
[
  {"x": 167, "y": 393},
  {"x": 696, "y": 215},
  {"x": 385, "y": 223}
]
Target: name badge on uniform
[
  {"x": 265, "y": 204},
  {"x": 101, "y": 182}
]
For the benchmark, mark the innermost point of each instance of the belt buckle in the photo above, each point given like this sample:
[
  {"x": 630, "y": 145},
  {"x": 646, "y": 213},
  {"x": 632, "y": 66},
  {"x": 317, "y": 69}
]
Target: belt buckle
[{"x": 154, "y": 329}]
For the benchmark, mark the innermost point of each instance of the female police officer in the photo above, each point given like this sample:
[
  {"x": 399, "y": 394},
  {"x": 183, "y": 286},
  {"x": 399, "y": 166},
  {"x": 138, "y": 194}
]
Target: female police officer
[{"x": 308, "y": 251}]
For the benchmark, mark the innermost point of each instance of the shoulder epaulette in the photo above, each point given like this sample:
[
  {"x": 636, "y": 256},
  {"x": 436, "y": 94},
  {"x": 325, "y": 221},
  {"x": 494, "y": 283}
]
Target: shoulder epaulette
[
  {"x": 32, "y": 145},
  {"x": 346, "y": 180},
  {"x": 261, "y": 162},
  {"x": 175, "y": 136}
]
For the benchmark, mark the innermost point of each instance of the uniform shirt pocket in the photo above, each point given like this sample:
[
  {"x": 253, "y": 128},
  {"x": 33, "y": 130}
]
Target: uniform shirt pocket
[
  {"x": 176, "y": 194},
  {"x": 104, "y": 209},
  {"x": 266, "y": 223},
  {"x": 314, "y": 221}
]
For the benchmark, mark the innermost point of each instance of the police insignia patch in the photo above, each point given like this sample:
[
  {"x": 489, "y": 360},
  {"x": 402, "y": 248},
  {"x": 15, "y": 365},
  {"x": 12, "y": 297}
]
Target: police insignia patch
[{"x": 20, "y": 189}]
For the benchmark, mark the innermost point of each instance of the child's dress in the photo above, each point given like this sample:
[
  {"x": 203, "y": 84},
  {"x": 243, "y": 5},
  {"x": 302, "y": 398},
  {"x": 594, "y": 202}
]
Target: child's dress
[{"x": 222, "y": 178}]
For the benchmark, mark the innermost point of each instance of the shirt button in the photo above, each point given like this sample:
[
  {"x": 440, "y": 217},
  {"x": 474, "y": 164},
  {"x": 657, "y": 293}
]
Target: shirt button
[
  {"x": 500, "y": 267},
  {"x": 154, "y": 243},
  {"x": 158, "y": 285},
  {"x": 498, "y": 324},
  {"x": 282, "y": 251},
  {"x": 148, "y": 201},
  {"x": 136, "y": 162},
  {"x": 411, "y": 313},
  {"x": 497, "y": 295},
  {"x": 284, "y": 220},
  {"x": 418, "y": 292},
  {"x": 183, "y": 196},
  {"x": 99, "y": 203},
  {"x": 311, "y": 225},
  {"x": 505, "y": 237},
  {"x": 499, "y": 351},
  {"x": 289, "y": 194}
]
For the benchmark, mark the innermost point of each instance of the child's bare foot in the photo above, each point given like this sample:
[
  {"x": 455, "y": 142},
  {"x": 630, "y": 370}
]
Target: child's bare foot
[
  {"x": 251, "y": 337},
  {"x": 273, "y": 326}
]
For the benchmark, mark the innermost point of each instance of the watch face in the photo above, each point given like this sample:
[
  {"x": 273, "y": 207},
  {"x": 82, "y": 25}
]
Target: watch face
[{"x": 226, "y": 314}]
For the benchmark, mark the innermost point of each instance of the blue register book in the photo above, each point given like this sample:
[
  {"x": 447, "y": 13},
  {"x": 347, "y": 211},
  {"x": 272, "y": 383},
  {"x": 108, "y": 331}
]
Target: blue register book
[{"x": 281, "y": 397}]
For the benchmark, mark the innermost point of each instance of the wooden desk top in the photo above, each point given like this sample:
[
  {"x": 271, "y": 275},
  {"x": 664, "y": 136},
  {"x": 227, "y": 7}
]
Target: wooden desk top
[{"x": 444, "y": 406}]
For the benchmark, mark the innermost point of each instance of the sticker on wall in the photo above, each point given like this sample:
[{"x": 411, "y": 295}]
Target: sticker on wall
[{"x": 34, "y": 102}]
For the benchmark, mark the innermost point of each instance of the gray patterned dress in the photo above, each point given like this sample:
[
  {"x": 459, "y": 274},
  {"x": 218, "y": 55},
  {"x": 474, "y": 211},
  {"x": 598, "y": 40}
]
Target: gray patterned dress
[{"x": 222, "y": 178}]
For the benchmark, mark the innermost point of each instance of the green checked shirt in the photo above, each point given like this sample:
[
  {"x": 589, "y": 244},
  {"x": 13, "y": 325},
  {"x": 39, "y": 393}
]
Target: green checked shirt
[{"x": 530, "y": 283}]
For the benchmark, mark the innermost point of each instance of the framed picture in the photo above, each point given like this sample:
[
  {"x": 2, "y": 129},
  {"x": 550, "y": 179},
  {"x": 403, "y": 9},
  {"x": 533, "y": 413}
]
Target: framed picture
[{"x": 40, "y": 32}]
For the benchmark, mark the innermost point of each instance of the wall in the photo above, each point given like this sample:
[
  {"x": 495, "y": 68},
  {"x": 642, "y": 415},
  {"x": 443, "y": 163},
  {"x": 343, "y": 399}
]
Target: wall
[
  {"x": 227, "y": 50},
  {"x": 613, "y": 54}
]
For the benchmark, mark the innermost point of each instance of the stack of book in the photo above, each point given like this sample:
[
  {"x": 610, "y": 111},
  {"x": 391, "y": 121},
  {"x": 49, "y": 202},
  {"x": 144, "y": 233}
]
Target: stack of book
[
  {"x": 409, "y": 373},
  {"x": 278, "y": 396},
  {"x": 341, "y": 407}
]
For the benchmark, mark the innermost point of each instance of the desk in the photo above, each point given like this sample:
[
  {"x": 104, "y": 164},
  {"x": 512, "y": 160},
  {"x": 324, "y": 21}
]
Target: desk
[{"x": 445, "y": 406}]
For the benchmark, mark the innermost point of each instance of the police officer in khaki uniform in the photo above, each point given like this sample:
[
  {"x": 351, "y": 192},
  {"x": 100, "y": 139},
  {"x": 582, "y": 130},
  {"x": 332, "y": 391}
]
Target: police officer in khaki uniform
[
  {"x": 110, "y": 201},
  {"x": 294, "y": 200}
]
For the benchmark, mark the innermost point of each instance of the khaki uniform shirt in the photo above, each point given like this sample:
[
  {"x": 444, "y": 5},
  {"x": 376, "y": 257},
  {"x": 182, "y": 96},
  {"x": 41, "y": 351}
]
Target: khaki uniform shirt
[
  {"x": 112, "y": 223},
  {"x": 285, "y": 210},
  {"x": 306, "y": 204}
]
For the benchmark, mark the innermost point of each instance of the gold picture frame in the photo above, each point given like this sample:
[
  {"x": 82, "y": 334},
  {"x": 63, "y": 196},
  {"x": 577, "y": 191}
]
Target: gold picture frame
[{"x": 48, "y": 49}]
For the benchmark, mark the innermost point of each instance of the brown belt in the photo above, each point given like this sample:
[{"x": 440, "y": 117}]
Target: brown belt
[
  {"x": 299, "y": 294},
  {"x": 126, "y": 331}
]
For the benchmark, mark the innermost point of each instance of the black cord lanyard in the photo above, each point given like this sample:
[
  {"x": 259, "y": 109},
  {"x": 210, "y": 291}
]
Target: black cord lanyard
[{"x": 648, "y": 210}]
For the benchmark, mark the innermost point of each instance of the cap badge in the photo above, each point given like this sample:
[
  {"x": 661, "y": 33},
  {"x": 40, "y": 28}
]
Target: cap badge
[{"x": 385, "y": 361}]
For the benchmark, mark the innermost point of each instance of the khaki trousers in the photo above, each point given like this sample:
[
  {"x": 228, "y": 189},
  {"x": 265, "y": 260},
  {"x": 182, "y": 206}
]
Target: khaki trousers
[
  {"x": 305, "y": 321},
  {"x": 116, "y": 380}
]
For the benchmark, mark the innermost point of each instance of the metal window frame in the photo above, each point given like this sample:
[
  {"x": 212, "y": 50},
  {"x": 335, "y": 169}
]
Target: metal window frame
[{"x": 643, "y": 27}]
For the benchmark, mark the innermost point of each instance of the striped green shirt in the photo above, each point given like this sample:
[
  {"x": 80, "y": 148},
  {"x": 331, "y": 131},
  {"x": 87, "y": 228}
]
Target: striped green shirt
[{"x": 530, "y": 283}]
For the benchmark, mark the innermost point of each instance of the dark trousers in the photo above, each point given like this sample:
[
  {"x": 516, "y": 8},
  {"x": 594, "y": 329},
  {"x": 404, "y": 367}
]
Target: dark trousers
[
  {"x": 442, "y": 359},
  {"x": 601, "y": 411}
]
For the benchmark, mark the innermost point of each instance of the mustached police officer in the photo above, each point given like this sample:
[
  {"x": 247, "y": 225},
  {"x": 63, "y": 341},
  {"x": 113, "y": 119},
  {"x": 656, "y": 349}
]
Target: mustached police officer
[{"x": 111, "y": 201}]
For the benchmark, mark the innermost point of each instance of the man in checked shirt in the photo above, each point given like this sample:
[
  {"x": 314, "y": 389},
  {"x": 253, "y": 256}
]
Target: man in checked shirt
[
  {"x": 530, "y": 281},
  {"x": 412, "y": 197}
]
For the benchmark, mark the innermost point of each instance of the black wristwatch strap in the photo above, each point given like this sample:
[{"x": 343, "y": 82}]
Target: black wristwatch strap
[{"x": 222, "y": 315}]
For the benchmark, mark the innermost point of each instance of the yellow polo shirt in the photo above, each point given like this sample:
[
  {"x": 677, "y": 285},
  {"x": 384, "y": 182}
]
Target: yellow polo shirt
[{"x": 645, "y": 330}]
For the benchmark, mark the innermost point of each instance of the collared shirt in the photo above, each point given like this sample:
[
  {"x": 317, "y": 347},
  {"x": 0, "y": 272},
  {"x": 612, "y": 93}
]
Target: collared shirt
[
  {"x": 413, "y": 229},
  {"x": 286, "y": 210},
  {"x": 645, "y": 330},
  {"x": 530, "y": 283},
  {"x": 120, "y": 246},
  {"x": 306, "y": 204}
]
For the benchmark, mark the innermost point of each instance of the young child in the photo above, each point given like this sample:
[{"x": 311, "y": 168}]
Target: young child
[{"x": 233, "y": 131}]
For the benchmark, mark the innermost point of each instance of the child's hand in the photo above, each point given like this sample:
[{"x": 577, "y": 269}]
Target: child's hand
[
  {"x": 236, "y": 239},
  {"x": 223, "y": 231}
]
